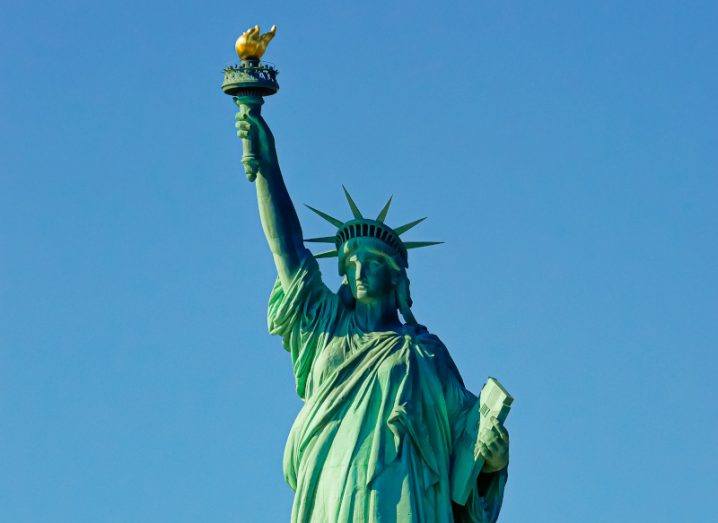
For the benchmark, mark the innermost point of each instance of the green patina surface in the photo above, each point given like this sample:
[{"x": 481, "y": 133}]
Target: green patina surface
[
  {"x": 388, "y": 432},
  {"x": 386, "y": 418}
]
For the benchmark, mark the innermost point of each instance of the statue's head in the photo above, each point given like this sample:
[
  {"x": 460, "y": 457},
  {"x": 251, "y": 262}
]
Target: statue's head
[
  {"x": 371, "y": 271},
  {"x": 372, "y": 258}
]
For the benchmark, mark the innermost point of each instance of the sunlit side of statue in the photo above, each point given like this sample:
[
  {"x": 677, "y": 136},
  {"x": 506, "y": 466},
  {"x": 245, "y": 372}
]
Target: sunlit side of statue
[{"x": 388, "y": 431}]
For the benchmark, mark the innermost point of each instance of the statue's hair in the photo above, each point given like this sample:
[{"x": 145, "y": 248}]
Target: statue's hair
[{"x": 402, "y": 294}]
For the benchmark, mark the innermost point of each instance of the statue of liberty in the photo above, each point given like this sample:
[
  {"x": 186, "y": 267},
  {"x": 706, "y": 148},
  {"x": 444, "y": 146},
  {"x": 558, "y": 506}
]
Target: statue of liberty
[{"x": 387, "y": 424}]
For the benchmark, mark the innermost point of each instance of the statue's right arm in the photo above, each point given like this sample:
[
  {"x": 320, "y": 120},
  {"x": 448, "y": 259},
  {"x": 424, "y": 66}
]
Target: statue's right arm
[{"x": 276, "y": 211}]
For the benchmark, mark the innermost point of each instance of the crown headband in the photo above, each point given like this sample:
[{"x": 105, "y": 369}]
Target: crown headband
[{"x": 360, "y": 227}]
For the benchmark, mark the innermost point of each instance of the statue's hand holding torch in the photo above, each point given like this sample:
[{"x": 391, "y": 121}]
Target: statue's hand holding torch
[
  {"x": 248, "y": 83},
  {"x": 258, "y": 152}
]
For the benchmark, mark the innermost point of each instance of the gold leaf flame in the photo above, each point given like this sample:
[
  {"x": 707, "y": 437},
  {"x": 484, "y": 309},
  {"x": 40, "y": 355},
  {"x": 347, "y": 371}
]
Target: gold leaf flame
[{"x": 251, "y": 45}]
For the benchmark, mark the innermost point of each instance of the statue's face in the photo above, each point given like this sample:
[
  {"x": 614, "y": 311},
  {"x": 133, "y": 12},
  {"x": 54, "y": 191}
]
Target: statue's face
[{"x": 368, "y": 271}]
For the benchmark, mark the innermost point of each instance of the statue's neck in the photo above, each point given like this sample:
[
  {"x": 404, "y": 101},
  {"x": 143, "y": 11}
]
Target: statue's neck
[{"x": 377, "y": 315}]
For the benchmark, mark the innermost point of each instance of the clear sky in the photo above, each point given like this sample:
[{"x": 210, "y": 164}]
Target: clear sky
[{"x": 565, "y": 151}]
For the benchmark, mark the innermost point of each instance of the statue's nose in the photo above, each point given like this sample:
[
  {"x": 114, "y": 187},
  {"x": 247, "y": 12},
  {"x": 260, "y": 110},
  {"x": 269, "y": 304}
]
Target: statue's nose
[{"x": 360, "y": 271}]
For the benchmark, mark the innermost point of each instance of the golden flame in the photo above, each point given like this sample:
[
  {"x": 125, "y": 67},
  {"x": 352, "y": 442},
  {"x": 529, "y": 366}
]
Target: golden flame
[{"x": 252, "y": 45}]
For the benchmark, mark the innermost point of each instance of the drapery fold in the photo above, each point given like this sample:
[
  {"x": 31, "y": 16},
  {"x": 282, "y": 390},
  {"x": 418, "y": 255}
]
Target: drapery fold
[{"x": 382, "y": 416}]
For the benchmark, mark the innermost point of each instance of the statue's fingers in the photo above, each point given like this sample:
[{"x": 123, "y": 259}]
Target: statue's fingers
[
  {"x": 484, "y": 435},
  {"x": 500, "y": 429},
  {"x": 244, "y": 110},
  {"x": 243, "y": 124},
  {"x": 503, "y": 433},
  {"x": 490, "y": 440},
  {"x": 481, "y": 451},
  {"x": 485, "y": 451}
]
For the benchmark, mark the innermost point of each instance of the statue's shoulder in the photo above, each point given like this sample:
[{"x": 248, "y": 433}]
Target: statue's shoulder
[
  {"x": 434, "y": 349},
  {"x": 429, "y": 342}
]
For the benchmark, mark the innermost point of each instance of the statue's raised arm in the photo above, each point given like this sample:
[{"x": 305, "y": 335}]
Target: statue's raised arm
[
  {"x": 248, "y": 83},
  {"x": 276, "y": 210}
]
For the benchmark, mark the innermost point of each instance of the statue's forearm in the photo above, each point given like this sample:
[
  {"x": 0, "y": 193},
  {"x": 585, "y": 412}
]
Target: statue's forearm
[
  {"x": 276, "y": 211},
  {"x": 280, "y": 222}
]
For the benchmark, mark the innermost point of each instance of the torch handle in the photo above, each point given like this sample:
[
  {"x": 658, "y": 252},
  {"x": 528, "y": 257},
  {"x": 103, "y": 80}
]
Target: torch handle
[{"x": 249, "y": 105}]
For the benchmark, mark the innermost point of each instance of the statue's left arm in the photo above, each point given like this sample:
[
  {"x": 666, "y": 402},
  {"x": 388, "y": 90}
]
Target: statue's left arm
[
  {"x": 481, "y": 491},
  {"x": 478, "y": 495}
]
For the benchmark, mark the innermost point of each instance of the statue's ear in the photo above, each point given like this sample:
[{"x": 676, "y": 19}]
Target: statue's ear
[
  {"x": 403, "y": 299},
  {"x": 345, "y": 295}
]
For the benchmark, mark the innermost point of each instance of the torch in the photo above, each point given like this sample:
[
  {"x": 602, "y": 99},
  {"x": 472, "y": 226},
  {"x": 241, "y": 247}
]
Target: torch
[{"x": 249, "y": 82}]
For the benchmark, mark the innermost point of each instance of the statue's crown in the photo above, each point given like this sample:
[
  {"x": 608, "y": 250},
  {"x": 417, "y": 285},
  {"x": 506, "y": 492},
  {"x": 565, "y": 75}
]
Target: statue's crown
[{"x": 360, "y": 227}]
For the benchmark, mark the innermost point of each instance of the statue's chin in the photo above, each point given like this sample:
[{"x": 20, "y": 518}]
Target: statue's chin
[{"x": 361, "y": 296}]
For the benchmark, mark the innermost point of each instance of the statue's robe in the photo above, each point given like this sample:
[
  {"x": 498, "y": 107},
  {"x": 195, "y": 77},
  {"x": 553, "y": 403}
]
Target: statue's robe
[{"x": 383, "y": 417}]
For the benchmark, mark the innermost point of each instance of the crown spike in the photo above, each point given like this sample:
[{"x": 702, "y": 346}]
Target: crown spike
[
  {"x": 384, "y": 211},
  {"x": 353, "y": 206},
  {"x": 327, "y": 254},
  {"x": 419, "y": 245},
  {"x": 331, "y": 219},
  {"x": 401, "y": 230},
  {"x": 322, "y": 239}
]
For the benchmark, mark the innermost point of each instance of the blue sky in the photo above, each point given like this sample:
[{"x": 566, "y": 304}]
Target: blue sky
[{"x": 565, "y": 151}]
